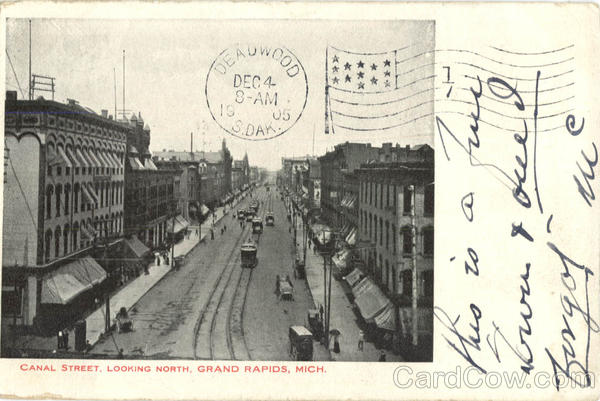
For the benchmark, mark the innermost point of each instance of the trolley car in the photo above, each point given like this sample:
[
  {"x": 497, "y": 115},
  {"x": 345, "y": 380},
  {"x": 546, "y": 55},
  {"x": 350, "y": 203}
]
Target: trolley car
[
  {"x": 248, "y": 253},
  {"x": 257, "y": 226}
]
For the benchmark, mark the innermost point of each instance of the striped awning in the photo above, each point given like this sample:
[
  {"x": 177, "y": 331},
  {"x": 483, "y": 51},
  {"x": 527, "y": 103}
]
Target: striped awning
[{"x": 64, "y": 284}]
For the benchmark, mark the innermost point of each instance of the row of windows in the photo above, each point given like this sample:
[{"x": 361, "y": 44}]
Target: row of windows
[
  {"x": 385, "y": 273},
  {"x": 58, "y": 170},
  {"x": 64, "y": 240},
  {"x": 81, "y": 196},
  {"x": 383, "y": 196},
  {"x": 85, "y": 128},
  {"x": 384, "y": 234}
]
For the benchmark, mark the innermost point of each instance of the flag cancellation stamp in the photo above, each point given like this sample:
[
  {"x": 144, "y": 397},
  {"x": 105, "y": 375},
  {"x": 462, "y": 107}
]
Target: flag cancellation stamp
[{"x": 256, "y": 91}]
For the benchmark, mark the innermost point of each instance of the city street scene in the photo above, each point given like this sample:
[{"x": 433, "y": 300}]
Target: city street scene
[{"x": 179, "y": 190}]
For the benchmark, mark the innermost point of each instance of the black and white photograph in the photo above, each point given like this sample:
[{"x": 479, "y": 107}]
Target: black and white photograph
[
  {"x": 182, "y": 190},
  {"x": 304, "y": 201}
]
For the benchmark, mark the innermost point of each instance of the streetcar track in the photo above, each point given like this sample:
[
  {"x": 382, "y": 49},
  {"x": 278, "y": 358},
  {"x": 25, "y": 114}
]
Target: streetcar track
[
  {"x": 201, "y": 317},
  {"x": 233, "y": 298}
]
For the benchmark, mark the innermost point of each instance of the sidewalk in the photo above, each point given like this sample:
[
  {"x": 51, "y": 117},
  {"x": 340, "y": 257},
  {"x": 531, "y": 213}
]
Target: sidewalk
[
  {"x": 342, "y": 316},
  {"x": 127, "y": 296}
]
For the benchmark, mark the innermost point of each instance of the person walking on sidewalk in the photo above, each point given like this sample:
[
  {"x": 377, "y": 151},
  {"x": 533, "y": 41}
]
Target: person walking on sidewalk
[
  {"x": 361, "y": 340},
  {"x": 382, "y": 356}
]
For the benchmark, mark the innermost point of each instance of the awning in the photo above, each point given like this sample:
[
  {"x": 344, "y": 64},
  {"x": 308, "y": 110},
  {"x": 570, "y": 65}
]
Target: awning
[
  {"x": 386, "y": 319},
  {"x": 68, "y": 281},
  {"x": 116, "y": 159},
  {"x": 92, "y": 193},
  {"x": 149, "y": 165},
  {"x": 340, "y": 260},
  {"x": 371, "y": 302},
  {"x": 204, "y": 210},
  {"x": 362, "y": 286},
  {"x": 177, "y": 224},
  {"x": 73, "y": 158},
  {"x": 85, "y": 233},
  {"x": 110, "y": 162},
  {"x": 92, "y": 158},
  {"x": 136, "y": 164},
  {"x": 84, "y": 162},
  {"x": 354, "y": 277},
  {"x": 139, "y": 249},
  {"x": 351, "y": 234},
  {"x": 86, "y": 194},
  {"x": 62, "y": 158},
  {"x": 105, "y": 163},
  {"x": 346, "y": 230},
  {"x": 352, "y": 202}
]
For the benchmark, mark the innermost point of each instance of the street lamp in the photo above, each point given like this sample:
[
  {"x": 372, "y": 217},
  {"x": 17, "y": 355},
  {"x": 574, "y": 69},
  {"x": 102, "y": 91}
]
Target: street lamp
[{"x": 326, "y": 251}]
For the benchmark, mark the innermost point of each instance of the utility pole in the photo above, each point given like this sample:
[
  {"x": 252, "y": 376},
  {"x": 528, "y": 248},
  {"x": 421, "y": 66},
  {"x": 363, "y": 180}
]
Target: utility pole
[
  {"x": 398, "y": 265},
  {"x": 413, "y": 228},
  {"x": 115, "y": 88},
  {"x": 30, "y": 89},
  {"x": 124, "y": 84}
]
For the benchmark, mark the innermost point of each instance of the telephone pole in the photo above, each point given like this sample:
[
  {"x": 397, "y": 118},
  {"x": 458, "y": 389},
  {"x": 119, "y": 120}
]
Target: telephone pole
[{"x": 413, "y": 228}]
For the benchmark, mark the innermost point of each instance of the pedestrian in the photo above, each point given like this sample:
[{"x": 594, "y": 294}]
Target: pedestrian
[
  {"x": 277, "y": 284},
  {"x": 212, "y": 234},
  {"x": 225, "y": 227},
  {"x": 361, "y": 340},
  {"x": 241, "y": 224},
  {"x": 382, "y": 356},
  {"x": 59, "y": 339},
  {"x": 221, "y": 230},
  {"x": 336, "y": 345},
  {"x": 289, "y": 280},
  {"x": 66, "y": 338}
]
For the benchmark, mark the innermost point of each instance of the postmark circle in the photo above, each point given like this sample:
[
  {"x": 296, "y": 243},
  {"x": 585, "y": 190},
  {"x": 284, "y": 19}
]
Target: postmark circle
[{"x": 256, "y": 91}]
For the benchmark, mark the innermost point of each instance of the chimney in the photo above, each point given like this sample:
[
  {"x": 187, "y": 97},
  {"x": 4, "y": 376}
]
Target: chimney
[{"x": 104, "y": 113}]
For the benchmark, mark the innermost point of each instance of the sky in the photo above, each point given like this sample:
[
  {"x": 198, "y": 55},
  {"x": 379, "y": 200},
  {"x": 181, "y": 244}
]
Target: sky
[{"x": 167, "y": 62}]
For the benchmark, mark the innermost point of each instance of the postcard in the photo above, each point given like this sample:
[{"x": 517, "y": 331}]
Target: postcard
[{"x": 300, "y": 201}]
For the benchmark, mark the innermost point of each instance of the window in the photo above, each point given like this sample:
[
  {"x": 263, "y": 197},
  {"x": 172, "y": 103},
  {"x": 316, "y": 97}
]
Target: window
[
  {"x": 49, "y": 193},
  {"x": 58, "y": 170},
  {"x": 380, "y": 231},
  {"x": 406, "y": 277},
  {"x": 67, "y": 191},
  {"x": 375, "y": 230},
  {"x": 406, "y": 240},
  {"x": 49, "y": 169},
  {"x": 428, "y": 241},
  {"x": 58, "y": 193},
  {"x": 387, "y": 235},
  {"x": 394, "y": 238},
  {"x": 75, "y": 198},
  {"x": 57, "y": 235},
  {"x": 376, "y": 193},
  {"x": 74, "y": 233},
  {"x": 66, "y": 240},
  {"x": 48, "y": 245},
  {"x": 429, "y": 200},
  {"x": 371, "y": 193},
  {"x": 428, "y": 283},
  {"x": 407, "y": 200}
]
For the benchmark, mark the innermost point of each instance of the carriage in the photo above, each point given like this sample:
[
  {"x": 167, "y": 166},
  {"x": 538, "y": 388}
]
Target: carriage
[{"x": 270, "y": 219}]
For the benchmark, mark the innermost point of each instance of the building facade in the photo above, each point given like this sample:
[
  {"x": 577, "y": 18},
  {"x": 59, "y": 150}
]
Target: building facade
[
  {"x": 63, "y": 192},
  {"x": 150, "y": 202},
  {"x": 393, "y": 193},
  {"x": 338, "y": 183}
]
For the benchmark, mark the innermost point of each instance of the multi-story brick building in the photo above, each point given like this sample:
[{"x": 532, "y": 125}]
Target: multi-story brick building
[
  {"x": 339, "y": 187},
  {"x": 388, "y": 190},
  {"x": 63, "y": 194},
  {"x": 150, "y": 203}
]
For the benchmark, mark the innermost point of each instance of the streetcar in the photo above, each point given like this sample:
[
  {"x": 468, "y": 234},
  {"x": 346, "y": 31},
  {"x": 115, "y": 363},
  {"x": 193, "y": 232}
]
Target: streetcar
[
  {"x": 248, "y": 255},
  {"x": 249, "y": 214},
  {"x": 270, "y": 219},
  {"x": 257, "y": 226}
]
